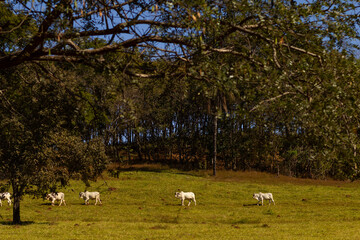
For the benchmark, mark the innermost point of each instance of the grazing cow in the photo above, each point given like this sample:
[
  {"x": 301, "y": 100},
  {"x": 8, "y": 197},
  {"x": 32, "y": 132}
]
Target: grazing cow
[
  {"x": 185, "y": 196},
  {"x": 261, "y": 196},
  {"x": 90, "y": 195},
  {"x": 56, "y": 196},
  {"x": 6, "y": 196}
]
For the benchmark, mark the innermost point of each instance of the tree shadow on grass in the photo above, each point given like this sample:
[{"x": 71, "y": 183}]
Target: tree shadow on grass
[
  {"x": 172, "y": 204},
  {"x": 45, "y": 204},
  {"x": 250, "y": 205},
  {"x": 67, "y": 204},
  {"x": 142, "y": 169},
  {"x": 190, "y": 173},
  {"x": 23, "y": 223}
]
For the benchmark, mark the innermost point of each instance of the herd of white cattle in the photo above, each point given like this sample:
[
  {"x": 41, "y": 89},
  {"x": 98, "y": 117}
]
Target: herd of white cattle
[
  {"x": 58, "y": 196},
  {"x": 87, "y": 196}
]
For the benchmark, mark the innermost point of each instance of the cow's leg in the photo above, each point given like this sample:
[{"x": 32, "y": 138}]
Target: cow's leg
[
  {"x": 60, "y": 202},
  {"x": 53, "y": 202},
  {"x": 189, "y": 202},
  {"x": 182, "y": 202},
  {"x": 64, "y": 202},
  {"x": 9, "y": 202},
  {"x": 194, "y": 201},
  {"x": 0, "y": 203}
]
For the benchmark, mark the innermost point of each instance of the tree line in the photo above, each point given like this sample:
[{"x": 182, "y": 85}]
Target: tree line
[{"x": 237, "y": 84}]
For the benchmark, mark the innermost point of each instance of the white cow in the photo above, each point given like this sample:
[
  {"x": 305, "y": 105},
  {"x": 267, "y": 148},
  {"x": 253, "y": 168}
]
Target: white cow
[
  {"x": 185, "y": 196},
  {"x": 261, "y": 196},
  {"x": 6, "y": 196},
  {"x": 90, "y": 195},
  {"x": 56, "y": 196}
]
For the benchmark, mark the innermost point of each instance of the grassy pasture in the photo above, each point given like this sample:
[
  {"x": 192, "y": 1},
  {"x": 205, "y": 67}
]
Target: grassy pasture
[{"x": 141, "y": 205}]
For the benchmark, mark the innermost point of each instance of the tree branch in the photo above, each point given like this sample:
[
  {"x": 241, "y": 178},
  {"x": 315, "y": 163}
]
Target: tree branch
[
  {"x": 36, "y": 41},
  {"x": 243, "y": 55},
  {"x": 16, "y": 27},
  {"x": 250, "y": 32},
  {"x": 270, "y": 100}
]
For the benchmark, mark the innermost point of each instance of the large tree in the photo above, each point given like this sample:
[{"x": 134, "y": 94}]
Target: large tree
[{"x": 42, "y": 142}]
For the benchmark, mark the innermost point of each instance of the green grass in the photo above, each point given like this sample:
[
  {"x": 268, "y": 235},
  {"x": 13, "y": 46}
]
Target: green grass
[{"x": 141, "y": 205}]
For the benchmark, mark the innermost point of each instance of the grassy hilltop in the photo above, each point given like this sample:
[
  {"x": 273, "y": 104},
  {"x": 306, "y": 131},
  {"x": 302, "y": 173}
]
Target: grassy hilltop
[{"x": 141, "y": 205}]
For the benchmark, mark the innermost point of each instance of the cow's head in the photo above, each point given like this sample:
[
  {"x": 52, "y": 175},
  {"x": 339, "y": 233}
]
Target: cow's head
[{"x": 48, "y": 196}]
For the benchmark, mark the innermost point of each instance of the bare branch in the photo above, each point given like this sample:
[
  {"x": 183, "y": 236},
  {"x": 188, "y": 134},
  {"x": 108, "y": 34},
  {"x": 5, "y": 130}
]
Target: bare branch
[
  {"x": 106, "y": 8},
  {"x": 72, "y": 44},
  {"x": 256, "y": 34},
  {"x": 142, "y": 75},
  {"x": 243, "y": 55},
  {"x": 270, "y": 100},
  {"x": 16, "y": 27}
]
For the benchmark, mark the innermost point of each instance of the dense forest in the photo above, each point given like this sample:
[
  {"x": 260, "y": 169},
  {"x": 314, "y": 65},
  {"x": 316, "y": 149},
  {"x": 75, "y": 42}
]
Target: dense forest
[{"x": 269, "y": 85}]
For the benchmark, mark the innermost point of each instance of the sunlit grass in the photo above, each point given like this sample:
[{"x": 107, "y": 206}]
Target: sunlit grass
[{"x": 141, "y": 205}]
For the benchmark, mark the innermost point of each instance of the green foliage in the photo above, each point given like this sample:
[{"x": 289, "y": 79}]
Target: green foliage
[
  {"x": 15, "y": 29},
  {"x": 70, "y": 157}
]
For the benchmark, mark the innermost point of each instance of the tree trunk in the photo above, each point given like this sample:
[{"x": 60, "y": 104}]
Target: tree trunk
[
  {"x": 215, "y": 143},
  {"x": 129, "y": 143},
  {"x": 179, "y": 127},
  {"x": 138, "y": 146},
  {"x": 16, "y": 205}
]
